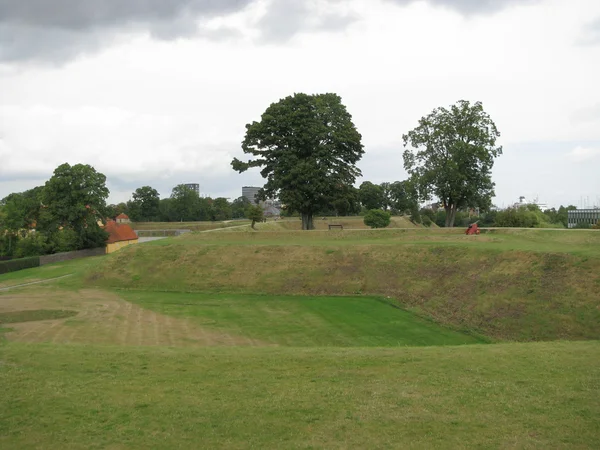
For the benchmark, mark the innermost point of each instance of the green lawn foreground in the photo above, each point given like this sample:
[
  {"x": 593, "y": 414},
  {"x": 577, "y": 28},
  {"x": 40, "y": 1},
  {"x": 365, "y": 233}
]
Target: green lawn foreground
[
  {"x": 536, "y": 395},
  {"x": 303, "y": 321}
]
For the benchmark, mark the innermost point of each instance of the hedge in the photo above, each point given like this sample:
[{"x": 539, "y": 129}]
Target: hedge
[{"x": 19, "y": 264}]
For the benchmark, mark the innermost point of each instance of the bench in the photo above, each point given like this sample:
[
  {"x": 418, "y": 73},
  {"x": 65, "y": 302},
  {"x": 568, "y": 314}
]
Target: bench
[{"x": 341, "y": 227}]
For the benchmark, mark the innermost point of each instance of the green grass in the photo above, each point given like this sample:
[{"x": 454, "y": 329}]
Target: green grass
[
  {"x": 303, "y": 321},
  {"x": 500, "y": 284},
  {"x": 74, "y": 267},
  {"x": 34, "y": 314},
  {"x": 492, "y": 396}
]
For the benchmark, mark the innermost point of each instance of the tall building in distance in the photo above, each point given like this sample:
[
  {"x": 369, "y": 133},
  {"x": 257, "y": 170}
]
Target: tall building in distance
[
  {"x": 250, "y": 192},
  {"x": 194, "y": 187}
]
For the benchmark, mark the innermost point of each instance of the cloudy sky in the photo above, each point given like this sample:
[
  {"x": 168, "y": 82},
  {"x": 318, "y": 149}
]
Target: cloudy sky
[{"x": 154, "y": 92}]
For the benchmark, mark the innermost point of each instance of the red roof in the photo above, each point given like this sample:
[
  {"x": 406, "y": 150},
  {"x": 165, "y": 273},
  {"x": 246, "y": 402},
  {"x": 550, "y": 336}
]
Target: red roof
[
  {"x": 122, "y": 216},
  {"x": 119, "y": 232}
]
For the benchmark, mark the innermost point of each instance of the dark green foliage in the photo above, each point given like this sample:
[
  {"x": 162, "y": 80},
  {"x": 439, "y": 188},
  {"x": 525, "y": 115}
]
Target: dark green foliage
[
  {"x": 112, "y": 211},
  {"x": 145, "y": 205},
  {"x": 34, "y": 244},
  {"x": 371, "y": 195},
  {"x": 583, "y": 226},
  {"x": 185, "y": 204},
  {"x": 307, "y": 147},
  {"x": 255, "y": 214},
  {"x": 19, "y": 264},
  {"x": 377, "y": 218},
  {"x": 450, "y": 156},
  {"x": 221, "y": 209},
  {"x": 238, "y": 207},
  {"x": 400, "y": 197},
  {"x": 75, "y": 199},
  {"x": 529, "y": 216}
]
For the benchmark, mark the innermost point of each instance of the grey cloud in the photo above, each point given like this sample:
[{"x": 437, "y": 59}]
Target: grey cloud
[
  {"x": 58, "y": 30},
  {"x": 470, "y": 7},
  {"x": 591, "y": 35},
  {"x": 85, "y": 14},
  {"x": 285, "y": 18}
]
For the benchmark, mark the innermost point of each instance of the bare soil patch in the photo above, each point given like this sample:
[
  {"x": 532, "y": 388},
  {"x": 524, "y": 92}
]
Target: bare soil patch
[{"x": 104, "y": 318}]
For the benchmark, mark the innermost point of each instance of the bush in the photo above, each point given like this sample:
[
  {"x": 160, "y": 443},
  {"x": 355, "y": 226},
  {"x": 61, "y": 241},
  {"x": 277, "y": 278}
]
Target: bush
[
  {"x": 31, "y": 245},
  {"x": 19, "y": 264},
  {"x": 377, "y": 218}
]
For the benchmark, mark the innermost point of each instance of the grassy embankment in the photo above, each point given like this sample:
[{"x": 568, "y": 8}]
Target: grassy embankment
[{"x": 514, "y": 285}]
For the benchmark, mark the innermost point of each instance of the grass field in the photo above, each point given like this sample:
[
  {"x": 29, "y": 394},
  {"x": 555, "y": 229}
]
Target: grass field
[
  {"x": 303, "y": 321},
  {"x": 492, "y": 396},
  {"x": 282, "y": 339}
]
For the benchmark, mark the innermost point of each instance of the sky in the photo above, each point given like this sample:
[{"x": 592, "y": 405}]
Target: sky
[{"x": 158, "y": 93}]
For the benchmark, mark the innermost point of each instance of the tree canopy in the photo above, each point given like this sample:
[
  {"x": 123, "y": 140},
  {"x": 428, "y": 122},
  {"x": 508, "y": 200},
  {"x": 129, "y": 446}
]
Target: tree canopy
[
  {"x": 371, "y": 195},
  {"x": 75, "y": 199},
  {"x": 144, "y": 206},
  {"x": 450, "y": 155},
  {"x": 307, "y": 147}
]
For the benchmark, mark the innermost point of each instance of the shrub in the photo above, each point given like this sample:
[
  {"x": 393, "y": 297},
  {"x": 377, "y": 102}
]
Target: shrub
[
  {"x": 19, "y": 264},
  {"x": 32, "y": 245},
  {"x": 377, "y": 218}
]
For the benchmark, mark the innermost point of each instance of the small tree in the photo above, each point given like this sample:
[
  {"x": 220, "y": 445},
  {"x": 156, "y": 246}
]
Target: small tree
[
  {"x": 377, "y": 218},
  {"x": 255, "y": 214}
]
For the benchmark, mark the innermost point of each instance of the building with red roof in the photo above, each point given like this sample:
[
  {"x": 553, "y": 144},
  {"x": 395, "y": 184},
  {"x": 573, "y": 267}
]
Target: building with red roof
[
  {"x": 123, "y": 218},
  {"x": 120, "y": 235}
]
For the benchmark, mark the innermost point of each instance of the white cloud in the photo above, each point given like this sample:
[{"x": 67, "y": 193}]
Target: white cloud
[
  {"x": 583, "y": 154},
  {"x": 147, "y": 111}
]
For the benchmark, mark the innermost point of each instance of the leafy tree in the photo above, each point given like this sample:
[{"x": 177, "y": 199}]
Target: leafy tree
[
  {"x": 401, "y": 197},
  {"x": 377, "y": 218},
  {"x": 75, "y": 198},
  {"x": 450, "y": 155},
  {"x": 144, "y": 206},
  {"x": 239, "y": 206},
  {"x": 165, "y": 210},
  {"x": 347, "y": 202},
  {"x": 563, "y": 214},
  {"x": 255, "y": 214},
  {"x": 112, "y": 211},
  {"x": 371, "y": 195},
  {"x": 185, "y": 204},
  {"x": 307, "y": 147},
  {"x": 33, "y": 244},
  {"x": 221, "y": 209}
]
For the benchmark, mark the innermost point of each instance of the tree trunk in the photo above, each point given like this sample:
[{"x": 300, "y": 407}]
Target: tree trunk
[
  {"x": 450, "y": 215},
  {"x": 307, "y": 221},
  {"x": 253, "y": 222}
]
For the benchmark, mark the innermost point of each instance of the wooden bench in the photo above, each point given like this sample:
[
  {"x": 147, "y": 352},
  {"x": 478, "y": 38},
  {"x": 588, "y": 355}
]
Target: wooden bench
[{"x": 341, "y": 227}]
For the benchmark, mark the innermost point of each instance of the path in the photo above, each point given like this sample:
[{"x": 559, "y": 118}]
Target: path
[{"x": 33, "y": 282}]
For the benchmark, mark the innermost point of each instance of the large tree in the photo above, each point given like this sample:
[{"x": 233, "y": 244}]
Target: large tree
[
  {"x": 450, "y": 156},
  {"x": 400, "y": 197},
  {"x": 371, "y": 195},
  {"x": 75, "y": 199},
  {"x": 144, "y": 206},
  {"x": 185, "y": 203},
  {"x": 307, "y": 147}
]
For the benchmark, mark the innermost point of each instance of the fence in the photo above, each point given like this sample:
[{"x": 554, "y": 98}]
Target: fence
[{"x": 66, "y": 256}]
